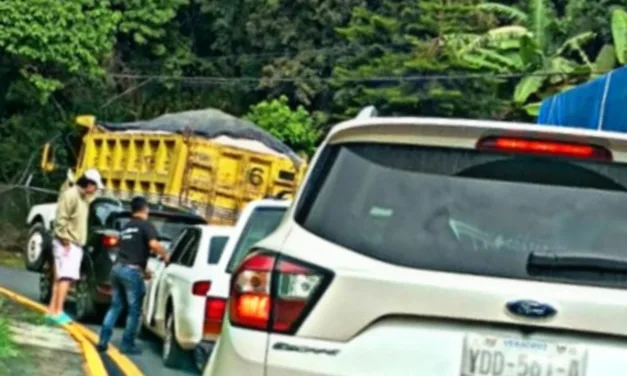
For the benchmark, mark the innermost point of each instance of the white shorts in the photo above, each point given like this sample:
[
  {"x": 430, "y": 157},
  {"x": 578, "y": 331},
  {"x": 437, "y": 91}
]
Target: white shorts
[{"x": 67, "y": 261}]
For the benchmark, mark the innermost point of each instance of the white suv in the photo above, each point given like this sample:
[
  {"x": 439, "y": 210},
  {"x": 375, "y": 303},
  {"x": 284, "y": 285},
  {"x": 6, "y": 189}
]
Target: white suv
[{"x": 441, "y": 247}]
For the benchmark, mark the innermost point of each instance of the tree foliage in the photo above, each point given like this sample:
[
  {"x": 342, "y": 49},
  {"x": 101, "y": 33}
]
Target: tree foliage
[
  {"x": 619, "y": 32},
  {"x": 46, "y": 40},
  {"x": 295, "y": 127},
  {"x": 542, "y": 41},
  {"x": 322, "y": 59},
  {"x": 411, "y": 46}
]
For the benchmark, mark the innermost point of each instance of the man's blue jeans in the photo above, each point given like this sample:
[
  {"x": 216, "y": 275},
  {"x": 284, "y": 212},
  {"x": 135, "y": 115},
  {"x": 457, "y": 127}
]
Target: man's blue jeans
[{"x": 128, "y": 289}]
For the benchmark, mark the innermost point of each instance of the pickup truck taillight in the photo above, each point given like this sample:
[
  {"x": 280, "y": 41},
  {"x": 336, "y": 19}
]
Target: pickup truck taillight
[
  {"x": 109, "y": 241},
  {"x": 214, "y": 307},
  {"x": 214, "y": 315},
  {"x": 274, "y": 293},
  {"x": 201, "y": 288}
]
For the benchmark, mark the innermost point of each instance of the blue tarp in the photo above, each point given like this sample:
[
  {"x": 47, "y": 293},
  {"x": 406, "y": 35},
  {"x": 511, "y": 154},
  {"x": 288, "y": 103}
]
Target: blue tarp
[{"x": 598, "y": 104}]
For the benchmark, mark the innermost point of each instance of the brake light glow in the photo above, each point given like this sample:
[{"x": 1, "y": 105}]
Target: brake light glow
[
  {"x": 543, "y": 147},
  {"x": 201, "y": 288},
  {"x": 253, "y": 309},
  {"x": 214, "y": 315},
  {"x": 274, "y": 293},
  {"x": 110, "y": 241}
]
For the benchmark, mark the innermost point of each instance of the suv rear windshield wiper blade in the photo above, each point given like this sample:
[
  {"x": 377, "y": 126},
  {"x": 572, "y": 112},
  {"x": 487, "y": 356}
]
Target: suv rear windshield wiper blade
[{"x": 549, "y": 260}]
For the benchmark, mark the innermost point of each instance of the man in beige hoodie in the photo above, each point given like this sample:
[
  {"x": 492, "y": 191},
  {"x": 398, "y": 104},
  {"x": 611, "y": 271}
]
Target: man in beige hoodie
[{"x": 70, "y": 235}]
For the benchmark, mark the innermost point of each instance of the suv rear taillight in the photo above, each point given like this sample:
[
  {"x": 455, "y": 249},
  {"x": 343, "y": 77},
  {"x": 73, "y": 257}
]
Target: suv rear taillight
[
  {"x": 214, "y": 314},
  {"x": 275, "y": 293}
]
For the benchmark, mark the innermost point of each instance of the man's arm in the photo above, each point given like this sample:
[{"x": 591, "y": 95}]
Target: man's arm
[
  {"x": 66, "y": 210},
  {"x": 154, "y": 244},
  {"x": 157, "y": 248}
]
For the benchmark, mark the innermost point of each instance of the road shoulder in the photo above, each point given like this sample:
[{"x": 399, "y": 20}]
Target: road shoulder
[
  {"x": 30, "y": 346},
  {"x": 93, "y": 363}
]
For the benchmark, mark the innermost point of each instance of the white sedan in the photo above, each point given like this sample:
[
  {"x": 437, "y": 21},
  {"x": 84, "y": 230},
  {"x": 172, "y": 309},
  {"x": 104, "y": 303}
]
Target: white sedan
[{"x": 179, "y": 306}]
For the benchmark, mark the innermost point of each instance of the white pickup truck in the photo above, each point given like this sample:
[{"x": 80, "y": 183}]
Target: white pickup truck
[{"x": 39, "y": 222}]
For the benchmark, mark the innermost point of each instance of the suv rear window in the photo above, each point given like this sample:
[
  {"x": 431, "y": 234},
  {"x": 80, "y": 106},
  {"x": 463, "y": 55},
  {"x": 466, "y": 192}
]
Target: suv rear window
[
  {"x": 463, "y": 211},
  {"x": 261, "y": 223}
]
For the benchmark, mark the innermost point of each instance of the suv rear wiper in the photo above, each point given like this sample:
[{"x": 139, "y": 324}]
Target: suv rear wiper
[{"x": 579, "y": 261}]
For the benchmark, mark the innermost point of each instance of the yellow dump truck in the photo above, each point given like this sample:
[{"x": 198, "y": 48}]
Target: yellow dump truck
[{"x": 203, "y": 160}]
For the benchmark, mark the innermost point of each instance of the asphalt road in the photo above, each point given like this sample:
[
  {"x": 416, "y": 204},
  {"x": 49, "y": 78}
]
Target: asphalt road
[{"x": 26, "y": 283}]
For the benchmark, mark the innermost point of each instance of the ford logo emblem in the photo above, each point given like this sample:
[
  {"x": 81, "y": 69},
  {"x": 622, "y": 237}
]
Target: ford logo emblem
[{"x": 531, "y": 309}]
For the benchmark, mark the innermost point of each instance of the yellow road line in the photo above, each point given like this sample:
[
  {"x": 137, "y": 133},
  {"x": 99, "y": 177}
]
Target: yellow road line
[
  {"x": 124, "y": 363},
  {"x": 86, "y": 339},
  {"x": 93, "y": 363}
]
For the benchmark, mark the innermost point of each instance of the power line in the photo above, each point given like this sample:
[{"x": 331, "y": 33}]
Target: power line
[
  {"x": 126, "y": 92},
  {"x": 213, "y": 80},
  {"x": 331, "y": 51}
]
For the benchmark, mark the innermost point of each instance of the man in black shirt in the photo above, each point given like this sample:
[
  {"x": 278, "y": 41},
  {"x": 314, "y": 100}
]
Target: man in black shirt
[{"x": 138, "y": 239}]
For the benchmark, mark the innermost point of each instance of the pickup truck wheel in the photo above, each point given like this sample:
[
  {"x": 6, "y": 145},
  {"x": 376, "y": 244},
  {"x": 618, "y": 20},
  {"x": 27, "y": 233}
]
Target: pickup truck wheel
[
  {"x": 38, "y": 241},
  {"x": 45, "y": 282},
  {"x": 173, "y": 355},
  {"x": 85, "y": 306}
]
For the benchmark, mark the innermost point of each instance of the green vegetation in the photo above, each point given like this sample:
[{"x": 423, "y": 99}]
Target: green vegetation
[
  {"x": 293, "y": 67},
  {"x": 550, "y": 48},
  {"x": 11, "y": 260},
  {"x": 295, "y": 127},
  {"x": 18, "y": 357},
  {"x": 8, "y": 349},
  {"x": 17, "y": 312}
]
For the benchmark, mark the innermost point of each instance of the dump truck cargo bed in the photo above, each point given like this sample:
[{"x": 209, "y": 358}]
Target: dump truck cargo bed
[{"x": 216, "y": 176}]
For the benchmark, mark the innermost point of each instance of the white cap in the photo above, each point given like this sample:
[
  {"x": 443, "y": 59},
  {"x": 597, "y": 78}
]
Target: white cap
[
  {"x": 94, "y": 175},
  {"x": 70, "y": 176}
]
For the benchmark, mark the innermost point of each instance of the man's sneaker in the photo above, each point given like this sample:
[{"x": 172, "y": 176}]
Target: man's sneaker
[
  {"x": 102, "y": 348},
  {"x": 65, "y": 318},
  {"x": 130, "y": 350},
  {"x": 60, "y": 319}
]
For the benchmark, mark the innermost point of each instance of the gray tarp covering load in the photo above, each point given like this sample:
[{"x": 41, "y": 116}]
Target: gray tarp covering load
[{"x": 210, "y": 123}]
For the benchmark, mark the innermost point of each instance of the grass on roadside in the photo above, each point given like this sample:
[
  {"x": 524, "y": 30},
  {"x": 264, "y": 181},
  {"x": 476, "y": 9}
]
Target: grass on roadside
[
  {"x": 19, "y": 357},
  {"x": 17, "y": 312},
  {"x": 11, "y": 260},
  {"x": 8, "y": 349}
]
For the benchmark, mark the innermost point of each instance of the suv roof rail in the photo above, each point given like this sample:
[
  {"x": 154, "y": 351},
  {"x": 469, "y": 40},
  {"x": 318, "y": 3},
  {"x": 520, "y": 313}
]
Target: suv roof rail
[{"x": 367, "y": 112}]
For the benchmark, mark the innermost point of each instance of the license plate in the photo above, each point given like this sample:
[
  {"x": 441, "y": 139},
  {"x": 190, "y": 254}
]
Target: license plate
[{"x": 494, "y": 356}]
